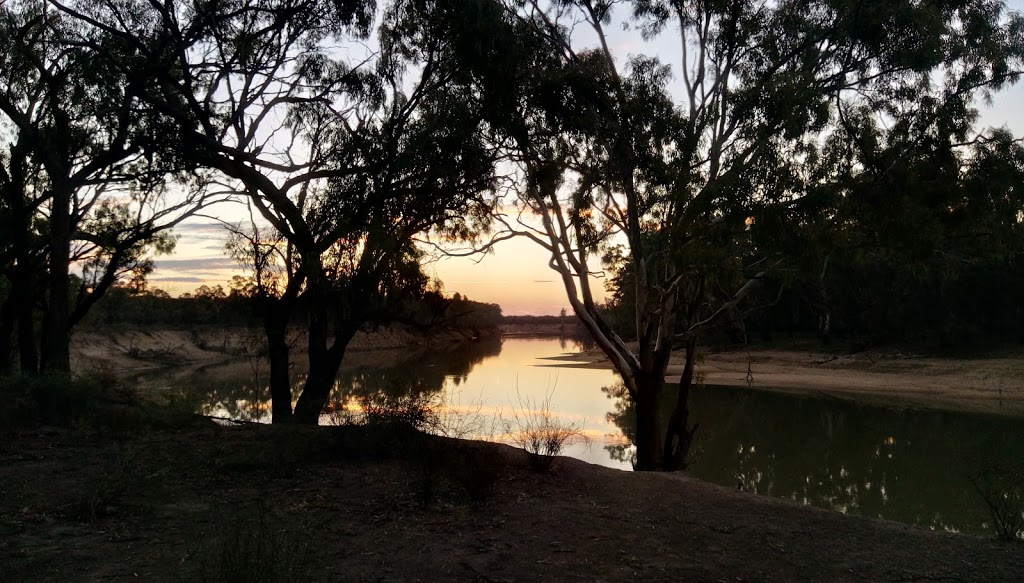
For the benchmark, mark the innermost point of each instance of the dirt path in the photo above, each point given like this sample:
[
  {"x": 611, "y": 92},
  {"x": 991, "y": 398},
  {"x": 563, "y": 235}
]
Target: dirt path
[
  {"x": 985, "y": 385},
  {"x": 185, "y": 505}
]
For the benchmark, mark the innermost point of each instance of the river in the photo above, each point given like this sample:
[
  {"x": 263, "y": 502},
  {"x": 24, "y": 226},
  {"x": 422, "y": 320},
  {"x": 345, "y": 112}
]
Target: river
[{"x": 907, "y": 465}]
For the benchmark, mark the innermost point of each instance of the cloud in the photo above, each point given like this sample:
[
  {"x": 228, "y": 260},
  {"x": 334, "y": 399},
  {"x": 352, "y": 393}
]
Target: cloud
[
  {"x": 177, "y": 280},
  {"x": 202, "y": 232},
  {"x": 209, "y": 263}
]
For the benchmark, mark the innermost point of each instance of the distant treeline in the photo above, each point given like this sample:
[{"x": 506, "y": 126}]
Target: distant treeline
[
  {"x": 864, "y": 303},
  {"x": 213, "y": 306},
  {"x": 539, "y": 320}
]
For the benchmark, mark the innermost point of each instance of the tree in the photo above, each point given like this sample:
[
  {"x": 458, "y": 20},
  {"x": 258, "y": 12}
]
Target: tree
[
  {"x": 344, "y": 161},
  {"x": 694, "y": 184},
  {"x": 939, "y": 224},
  {"x": 85, "y": 179}
]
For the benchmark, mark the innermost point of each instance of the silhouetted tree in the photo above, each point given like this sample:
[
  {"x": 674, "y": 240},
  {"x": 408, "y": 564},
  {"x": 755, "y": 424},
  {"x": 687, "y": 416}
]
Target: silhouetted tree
[
  {"x": 84, "y": 182},
  {"x": 604, "y": 150},
  {"x": 345, "y": 159}
]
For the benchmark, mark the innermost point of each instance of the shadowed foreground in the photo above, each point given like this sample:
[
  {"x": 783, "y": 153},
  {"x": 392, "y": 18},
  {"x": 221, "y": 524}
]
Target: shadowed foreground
[{"x": 258, "y": 503}]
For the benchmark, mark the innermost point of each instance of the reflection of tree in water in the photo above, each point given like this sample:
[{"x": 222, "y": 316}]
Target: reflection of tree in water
[
  {"x": 225, "y": 390},
  {"x": 237, "y": 393},
  {"x": 421, "y": 374},
  {"x": 910, "y": 466},
  {"x": 623, "y": 415},
  {"x": 578, "y": 343}
]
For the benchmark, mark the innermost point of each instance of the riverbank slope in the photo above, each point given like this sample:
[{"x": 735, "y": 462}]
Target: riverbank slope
[
  {"x": 210, "y": 503},
  {"x": 135, "y": 350}
]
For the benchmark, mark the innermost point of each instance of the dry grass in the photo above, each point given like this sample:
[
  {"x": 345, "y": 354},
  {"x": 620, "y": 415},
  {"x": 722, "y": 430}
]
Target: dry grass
[{"x": 539, "y": 431}]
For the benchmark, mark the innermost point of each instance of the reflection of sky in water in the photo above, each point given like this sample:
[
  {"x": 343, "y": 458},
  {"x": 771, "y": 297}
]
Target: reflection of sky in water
[
  {"x": 524, "y": 373},
  {"x": 905, "y": 465}
]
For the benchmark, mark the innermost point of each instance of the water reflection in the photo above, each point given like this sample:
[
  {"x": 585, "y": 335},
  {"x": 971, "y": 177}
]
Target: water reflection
[
  {"x": 239, "y": 390},
  {"x": 909, "y": 466},
  {"x": 905, "y": 465}
]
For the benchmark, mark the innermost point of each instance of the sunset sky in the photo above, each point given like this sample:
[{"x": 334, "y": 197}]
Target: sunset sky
[{"x": 515, "y": 275}]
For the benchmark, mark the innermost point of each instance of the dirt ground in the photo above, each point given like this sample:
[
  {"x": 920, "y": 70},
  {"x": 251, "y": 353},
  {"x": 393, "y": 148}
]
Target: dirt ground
[
  {"x": 211, "y": 503},
  {"x": 984, "y": 385}
]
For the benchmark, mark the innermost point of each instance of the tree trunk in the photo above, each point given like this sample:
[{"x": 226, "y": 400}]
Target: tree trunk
[
  {"x": 21, "y": 296},
  {"x": 275, "y": 325},
  {"x": 24, "y": 306},
  {"x": 317, "y": 391},
  {"x": 648, "y": 433},
  {"x": 324, "y": 363},
  {"x": 678, "y": 434},
  {"x": 6, "y": 335},
  {"x": 56, "y": 353}
]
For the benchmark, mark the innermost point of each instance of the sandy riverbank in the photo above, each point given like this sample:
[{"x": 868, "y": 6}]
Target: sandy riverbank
[
  {"x": 133, "y": 351},
  {"x": 985, "y": 385}
]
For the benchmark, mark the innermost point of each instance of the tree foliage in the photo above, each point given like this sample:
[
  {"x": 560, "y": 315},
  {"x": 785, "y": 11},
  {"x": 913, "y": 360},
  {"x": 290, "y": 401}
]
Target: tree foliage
[
  {"x": 84, "y": 182},
  {"x": 690, "y": 166},
  {"x": 345, "y": 157}
]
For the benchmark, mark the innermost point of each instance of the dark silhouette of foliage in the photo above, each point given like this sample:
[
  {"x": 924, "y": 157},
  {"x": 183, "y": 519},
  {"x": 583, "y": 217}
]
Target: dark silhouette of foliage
[
  {"x": 83, "y": 183},
  {"x": 697, "y": 191}
]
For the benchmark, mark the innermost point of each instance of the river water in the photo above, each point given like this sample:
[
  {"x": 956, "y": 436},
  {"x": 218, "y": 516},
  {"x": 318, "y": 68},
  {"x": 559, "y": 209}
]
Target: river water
[{"x": 906, "y": 465}]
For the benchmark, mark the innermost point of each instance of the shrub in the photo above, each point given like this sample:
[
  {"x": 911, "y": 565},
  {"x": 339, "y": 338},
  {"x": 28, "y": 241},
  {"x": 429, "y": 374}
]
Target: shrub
[
  {"x": 251, "y": 549},
  {"x": 57, "y": 400},
  {"x": 1002, "y": 488},
  {"x": 413, "y": 411},
  {"x": 541, "y": 433}
]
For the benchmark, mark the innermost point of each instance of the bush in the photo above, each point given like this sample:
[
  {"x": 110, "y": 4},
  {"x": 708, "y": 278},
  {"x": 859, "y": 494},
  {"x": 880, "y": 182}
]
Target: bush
[
  {"x": 541, "y": 433},
  {"x": 27, "y": 401},
  {"x": 1002, "y": 487},
  {"x": 95, "y": 401},
  {"x": 251, "y": 549},
  {"x": 417, "y": 412}
]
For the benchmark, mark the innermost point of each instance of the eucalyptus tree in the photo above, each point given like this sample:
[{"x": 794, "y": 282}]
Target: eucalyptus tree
[
  {"x": 693, "y": 164},
  {"x": 84, "y": 181},
  {"x": 346, "y": 139},
  {"x": 19, "y": 256},
  {"x": 913, "y": 241}
]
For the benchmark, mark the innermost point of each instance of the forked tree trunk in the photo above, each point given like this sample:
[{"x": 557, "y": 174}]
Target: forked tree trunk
[
  {"x": 323, "y": 372},
  {"x": 317, "y": 391},
  {"x": 324, "y": 360}
]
